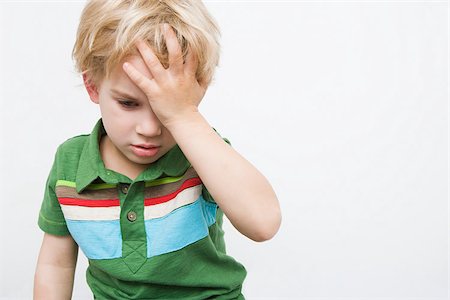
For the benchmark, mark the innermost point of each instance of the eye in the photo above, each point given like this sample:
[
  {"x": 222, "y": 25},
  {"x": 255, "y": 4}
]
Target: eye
[{"x": 128, "y": 103}]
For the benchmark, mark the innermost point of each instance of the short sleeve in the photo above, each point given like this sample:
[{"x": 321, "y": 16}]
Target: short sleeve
[{"x": 51, "y": 218}]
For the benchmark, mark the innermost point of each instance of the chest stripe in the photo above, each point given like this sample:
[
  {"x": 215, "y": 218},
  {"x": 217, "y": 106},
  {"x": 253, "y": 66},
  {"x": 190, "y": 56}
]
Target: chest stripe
[
  {"x": 89, "y": 203},
  {"x": 78, "y": 213},
  {"x": 182, "y": 199},
  {"x": 109, "y": 209},
  {"x": 186, "y": 184}
]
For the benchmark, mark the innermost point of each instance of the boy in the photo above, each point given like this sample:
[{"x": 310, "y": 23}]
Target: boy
[{"x": 144, "y": 194}]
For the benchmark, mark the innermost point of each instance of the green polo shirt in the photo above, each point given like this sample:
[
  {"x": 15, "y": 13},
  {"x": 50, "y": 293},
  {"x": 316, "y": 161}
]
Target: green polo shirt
[{"x": 156, "y": 237}]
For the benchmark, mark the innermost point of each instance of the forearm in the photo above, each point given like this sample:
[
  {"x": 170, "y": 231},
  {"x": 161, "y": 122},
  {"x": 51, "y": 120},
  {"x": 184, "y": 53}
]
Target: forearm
[
  {"x": 53, "y": 282},
  {"x": 240, "y": 190}
]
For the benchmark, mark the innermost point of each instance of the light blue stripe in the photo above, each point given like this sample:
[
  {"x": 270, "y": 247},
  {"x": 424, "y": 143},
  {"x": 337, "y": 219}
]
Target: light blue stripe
[
  {"x": 180, "y": 228},
  {"x": 97, "y": 239},
  {"x": 209, "y": 212}
]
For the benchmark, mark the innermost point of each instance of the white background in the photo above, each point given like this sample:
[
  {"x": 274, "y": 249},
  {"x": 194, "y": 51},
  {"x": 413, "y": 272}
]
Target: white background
[{"x": 342, "y": 105}]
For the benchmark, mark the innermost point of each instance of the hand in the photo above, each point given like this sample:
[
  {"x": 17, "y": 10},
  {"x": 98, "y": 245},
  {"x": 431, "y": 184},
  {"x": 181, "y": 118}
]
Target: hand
[{"x": 173, "y": 93}]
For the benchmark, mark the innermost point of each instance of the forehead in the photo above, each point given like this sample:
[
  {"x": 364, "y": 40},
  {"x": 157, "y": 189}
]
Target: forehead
[{"x": 119, "y": 77}]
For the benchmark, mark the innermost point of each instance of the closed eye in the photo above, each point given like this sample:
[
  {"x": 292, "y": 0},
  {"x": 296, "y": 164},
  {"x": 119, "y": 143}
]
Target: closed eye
[{"x": 128, "y": 103}]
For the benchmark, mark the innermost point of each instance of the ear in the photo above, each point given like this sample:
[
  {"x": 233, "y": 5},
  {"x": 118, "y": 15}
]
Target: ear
[{"x": 91, "y": 88}]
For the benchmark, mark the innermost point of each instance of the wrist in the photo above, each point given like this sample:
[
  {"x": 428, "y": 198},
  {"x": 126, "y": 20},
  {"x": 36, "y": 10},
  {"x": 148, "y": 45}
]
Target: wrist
[
  {"x": 192, "y": 125},
  {"x": 190, "y": 116}
]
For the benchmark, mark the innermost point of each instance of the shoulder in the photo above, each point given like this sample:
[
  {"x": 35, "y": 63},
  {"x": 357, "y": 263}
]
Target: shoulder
[
  {"x": 73, "y": 145},
  {"x": 68, "y": 156}
]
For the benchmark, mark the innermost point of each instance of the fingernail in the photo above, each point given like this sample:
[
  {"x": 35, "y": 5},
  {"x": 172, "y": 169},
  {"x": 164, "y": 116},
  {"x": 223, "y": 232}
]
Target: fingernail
[{"x": 166, "y": 27}]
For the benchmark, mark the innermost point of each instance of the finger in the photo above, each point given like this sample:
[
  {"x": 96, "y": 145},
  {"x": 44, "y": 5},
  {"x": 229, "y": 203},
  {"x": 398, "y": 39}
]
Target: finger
[
  {"x": 142, "y": 82},
  {"x": 191, "y": 63},
  {"x": 174, "y": 49},
  {"x": 191, "y": 67},
  {"x": 150, "y": 59}
]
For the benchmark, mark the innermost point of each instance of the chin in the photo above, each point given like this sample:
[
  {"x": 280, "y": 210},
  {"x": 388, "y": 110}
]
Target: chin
[{"x": 145, "y": 160}]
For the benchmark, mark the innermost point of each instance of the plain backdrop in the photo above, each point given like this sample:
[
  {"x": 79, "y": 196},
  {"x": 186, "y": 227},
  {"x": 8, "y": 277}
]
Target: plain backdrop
[{"x": 342, "y": 105}]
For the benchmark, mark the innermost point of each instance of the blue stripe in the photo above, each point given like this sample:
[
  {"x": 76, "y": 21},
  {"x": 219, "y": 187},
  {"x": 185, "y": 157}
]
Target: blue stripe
[
  {"x": 97, "y": 239},
  {"x": 209, "y": 212},
  {"x": 180, "y": 228}
]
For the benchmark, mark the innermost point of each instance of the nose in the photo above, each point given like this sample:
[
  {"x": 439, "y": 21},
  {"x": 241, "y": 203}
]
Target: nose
[{"x": 148, "y": 124}]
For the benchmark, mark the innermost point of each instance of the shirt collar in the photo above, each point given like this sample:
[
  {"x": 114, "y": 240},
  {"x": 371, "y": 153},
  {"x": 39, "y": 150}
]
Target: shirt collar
[{"x": 91, "y": 166}]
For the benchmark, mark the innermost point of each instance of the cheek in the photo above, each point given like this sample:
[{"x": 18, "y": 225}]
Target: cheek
[
  {"x": 118, "y": 124},
  {"x": 169, "y": 140},
  {"x": 113, "y": 113},
  {"x": 107, "y": 110}
]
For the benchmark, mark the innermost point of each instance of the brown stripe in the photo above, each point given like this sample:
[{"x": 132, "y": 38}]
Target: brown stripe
[
  {"x": 165, "y": 189},
  {"x": 112, "y": 193},
  {"x": 69, "y": 192}
]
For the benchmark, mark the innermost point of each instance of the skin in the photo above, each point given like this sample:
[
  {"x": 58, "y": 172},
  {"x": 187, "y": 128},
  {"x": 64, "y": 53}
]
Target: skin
[
  {"x": 129, "y": 120},
  {"x": 161, "y": 108},
  {"x": 55, "y": 270},
  {"x": 240, "y": 190}
]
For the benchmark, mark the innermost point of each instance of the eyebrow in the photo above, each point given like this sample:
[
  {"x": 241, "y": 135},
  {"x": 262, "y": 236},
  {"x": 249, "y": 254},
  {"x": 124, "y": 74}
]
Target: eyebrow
[{"x": 125, "y": 94}]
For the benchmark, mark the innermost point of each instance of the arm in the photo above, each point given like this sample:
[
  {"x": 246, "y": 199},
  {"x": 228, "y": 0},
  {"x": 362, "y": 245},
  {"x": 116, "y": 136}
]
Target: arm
[
  {"x": 241, "y": 191},
  {"x": 55, "y": 268}
]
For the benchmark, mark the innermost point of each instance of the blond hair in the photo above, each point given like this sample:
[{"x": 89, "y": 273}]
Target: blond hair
[{"x": 108, "y": 31}]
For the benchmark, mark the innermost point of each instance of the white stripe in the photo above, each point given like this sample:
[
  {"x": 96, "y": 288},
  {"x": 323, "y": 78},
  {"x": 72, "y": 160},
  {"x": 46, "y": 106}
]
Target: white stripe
[
  {"x": 185, "y": 197},
  {"x": 73, "y": 212}
]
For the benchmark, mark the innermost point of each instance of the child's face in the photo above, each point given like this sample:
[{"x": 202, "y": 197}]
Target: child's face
[{"x": 137, "y": 136}]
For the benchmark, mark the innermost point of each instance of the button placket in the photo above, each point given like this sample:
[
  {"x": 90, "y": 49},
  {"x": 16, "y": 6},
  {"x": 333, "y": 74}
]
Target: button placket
[{"x": 132, "y": 225}]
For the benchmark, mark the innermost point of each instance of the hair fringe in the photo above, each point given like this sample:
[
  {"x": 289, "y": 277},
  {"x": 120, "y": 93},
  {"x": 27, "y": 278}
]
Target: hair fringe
[{"x": 108, "y": 30}]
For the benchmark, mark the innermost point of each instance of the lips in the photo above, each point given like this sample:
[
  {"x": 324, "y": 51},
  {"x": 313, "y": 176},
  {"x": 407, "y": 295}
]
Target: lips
[
  {"x": 146, "y": 146},
  {"x": 145, "y": 150}
]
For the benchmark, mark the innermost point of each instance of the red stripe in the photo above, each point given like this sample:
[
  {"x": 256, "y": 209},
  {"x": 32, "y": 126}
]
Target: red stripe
[
  {"x": 89, "y": 203},
  {"x": 187, "y": 184}
]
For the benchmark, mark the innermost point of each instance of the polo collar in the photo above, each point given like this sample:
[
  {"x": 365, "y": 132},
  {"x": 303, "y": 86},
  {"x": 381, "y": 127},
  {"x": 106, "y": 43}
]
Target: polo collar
[{"x": 91, "y": 166}]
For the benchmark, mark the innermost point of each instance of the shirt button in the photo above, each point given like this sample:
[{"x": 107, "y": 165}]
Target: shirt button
[
  {"x": 124, "y": 188},
  {"x": 131, "y": 216}
]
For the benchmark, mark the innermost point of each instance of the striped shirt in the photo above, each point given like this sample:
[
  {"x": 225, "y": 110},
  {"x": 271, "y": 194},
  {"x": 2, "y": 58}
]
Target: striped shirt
[{"x": 158, "y": 236}]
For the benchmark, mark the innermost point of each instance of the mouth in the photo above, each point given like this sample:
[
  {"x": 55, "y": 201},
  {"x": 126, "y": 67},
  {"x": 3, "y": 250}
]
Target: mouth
[
  {"x": 146, "y": 146},
  {"x": 145, "y": 150}
]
